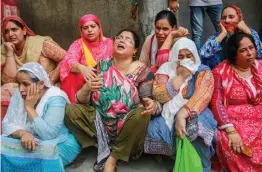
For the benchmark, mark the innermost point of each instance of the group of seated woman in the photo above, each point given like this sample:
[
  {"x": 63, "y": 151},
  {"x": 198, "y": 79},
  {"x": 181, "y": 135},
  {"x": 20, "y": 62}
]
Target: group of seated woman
[{"x": 124, "y": 106}]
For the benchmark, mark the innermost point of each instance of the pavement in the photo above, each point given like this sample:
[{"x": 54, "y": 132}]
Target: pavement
[{"x": 146, "y": 163}]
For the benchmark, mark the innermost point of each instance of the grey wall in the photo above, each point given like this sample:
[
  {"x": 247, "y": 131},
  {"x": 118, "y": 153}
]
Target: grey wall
[{"x": 59, "y": 18}]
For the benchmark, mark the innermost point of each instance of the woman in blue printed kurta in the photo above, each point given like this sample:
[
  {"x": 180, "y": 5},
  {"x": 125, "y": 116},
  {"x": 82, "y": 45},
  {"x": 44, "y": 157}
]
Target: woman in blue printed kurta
[
  {"x": 34, "y": 134},
  {"x": 231, "y": 21}
]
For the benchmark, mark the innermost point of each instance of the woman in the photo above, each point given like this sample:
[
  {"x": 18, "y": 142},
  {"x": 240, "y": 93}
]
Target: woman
[
  {"x": 237, "y": 103},
  {"x": 231, "y": 22},
  {"x": 156, "y": 49},
  {"x": 83, "y": 55},
  {"x": 34, "y": 134},
  {"x": 184, "y": 87},
  {"x": 117, "y": 120},
  {"x": 21, "y": 45},
  {"x": 147, "y": 10}
]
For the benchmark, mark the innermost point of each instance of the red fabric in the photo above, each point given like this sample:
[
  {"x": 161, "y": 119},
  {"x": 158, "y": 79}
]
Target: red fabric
[
  {"x": 231, "y": 27},
  {"x": 71, "y": 84},
  {"x": 91, "y": 17},
  {"x": 7, "y": 19},
  {"x": 234, "y": 102},
  {"x": 9, "y": 8}
]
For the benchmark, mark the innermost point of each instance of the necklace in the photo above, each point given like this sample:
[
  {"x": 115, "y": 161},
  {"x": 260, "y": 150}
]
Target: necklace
[{"x": 242, "y": 69}]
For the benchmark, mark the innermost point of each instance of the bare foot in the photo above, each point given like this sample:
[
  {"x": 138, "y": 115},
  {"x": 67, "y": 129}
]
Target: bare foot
[{"x": 110, "y": 165}]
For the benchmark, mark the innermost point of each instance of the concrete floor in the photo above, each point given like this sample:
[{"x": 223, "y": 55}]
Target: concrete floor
[{"x": 146, "y": 163}]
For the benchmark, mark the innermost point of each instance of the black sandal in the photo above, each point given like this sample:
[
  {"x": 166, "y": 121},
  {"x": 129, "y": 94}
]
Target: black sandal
[{"x": 98, "y": 168}]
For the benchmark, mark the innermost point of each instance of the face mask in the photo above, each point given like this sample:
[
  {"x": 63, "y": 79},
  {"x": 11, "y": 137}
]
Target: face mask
[{"x": 190, "y": 65}]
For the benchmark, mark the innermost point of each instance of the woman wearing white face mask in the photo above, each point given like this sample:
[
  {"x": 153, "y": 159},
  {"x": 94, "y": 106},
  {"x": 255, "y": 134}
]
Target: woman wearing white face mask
[{"x": 185, "y": 88}]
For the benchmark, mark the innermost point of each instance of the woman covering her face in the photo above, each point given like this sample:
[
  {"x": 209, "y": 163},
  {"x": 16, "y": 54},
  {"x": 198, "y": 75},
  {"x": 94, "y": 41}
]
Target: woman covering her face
[
  {"x": 231, "y": 22},
  {"x": 35, "y": 137},
  {"x": 185, "y": 88}
]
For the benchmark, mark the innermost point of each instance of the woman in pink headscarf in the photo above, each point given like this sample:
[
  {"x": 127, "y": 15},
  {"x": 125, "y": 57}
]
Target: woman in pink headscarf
[{"x": 83, "y": 55}]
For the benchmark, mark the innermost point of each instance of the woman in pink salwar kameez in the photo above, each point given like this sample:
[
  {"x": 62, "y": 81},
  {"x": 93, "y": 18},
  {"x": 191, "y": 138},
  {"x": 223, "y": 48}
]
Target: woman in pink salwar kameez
[
  {"x": 237, "y": 106},
  {"x": 83, "y": 55}
]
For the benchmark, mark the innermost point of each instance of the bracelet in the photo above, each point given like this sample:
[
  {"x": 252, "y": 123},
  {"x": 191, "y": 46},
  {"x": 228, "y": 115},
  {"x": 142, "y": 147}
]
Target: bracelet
[
  {"x": 232, "y": 132},
  {"x": 10, "y": 55}
]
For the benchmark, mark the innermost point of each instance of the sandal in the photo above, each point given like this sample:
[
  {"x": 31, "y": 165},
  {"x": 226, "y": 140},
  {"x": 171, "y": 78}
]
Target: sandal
[{"x": 98, "y": 168}]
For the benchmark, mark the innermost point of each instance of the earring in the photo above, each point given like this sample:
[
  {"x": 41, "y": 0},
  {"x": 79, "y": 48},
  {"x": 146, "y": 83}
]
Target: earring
[{"x": 134, "y": 56}]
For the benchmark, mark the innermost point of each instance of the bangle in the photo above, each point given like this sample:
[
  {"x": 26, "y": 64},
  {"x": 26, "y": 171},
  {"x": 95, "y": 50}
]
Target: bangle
[
  {"x": 232, "y": 132},
  {"x": 10, "y": 55}
]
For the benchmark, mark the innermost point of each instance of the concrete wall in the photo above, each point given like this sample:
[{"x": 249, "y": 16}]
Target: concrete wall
[{"x": 59, "y": 18}]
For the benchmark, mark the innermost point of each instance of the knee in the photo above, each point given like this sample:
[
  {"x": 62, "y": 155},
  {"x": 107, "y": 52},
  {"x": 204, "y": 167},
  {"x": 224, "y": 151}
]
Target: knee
[{"x": 138, "y": 118}]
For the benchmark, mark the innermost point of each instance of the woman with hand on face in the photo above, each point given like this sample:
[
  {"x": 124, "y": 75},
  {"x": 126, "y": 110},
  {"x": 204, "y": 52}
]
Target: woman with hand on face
[
  {"x": 83, "y": 55},
  {"x": 114, "y": 109},
  {"x": 21, "y": 45},
  {"x": 185, "y": 88},
  {"x": 237, "y": 105},
  {"x": 157, "y": 48},
  {"x": 34, "y": 135},
  {"x": 231, "y": 22}
]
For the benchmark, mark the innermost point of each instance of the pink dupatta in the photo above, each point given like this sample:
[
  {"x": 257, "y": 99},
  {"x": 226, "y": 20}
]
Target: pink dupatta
[{"x": 83, "y": 52}]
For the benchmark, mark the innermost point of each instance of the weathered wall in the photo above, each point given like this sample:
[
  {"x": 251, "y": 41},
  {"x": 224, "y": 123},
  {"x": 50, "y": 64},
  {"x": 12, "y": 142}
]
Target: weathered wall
[{"x": 59, "y": 18}]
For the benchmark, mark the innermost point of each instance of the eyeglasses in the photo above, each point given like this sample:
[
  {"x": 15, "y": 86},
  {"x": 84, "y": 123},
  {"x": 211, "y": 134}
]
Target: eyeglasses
[{"x": 126, "y": 39}]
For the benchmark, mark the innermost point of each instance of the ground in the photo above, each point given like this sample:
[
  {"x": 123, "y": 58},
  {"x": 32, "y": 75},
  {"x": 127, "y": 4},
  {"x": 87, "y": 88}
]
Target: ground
[{"x": 146, "y": 163}]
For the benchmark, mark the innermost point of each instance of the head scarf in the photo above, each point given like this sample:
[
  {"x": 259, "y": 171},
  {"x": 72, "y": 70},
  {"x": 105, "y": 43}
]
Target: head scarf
[
  {"x": 7, "y": 19},
  {"x": 38, "y": 71},
  {"x": 230, "y": 27},
  {"x": 91, "y": 17},
  {"x": 169, "y": 68},
  {"x": 171, "y": 107}
]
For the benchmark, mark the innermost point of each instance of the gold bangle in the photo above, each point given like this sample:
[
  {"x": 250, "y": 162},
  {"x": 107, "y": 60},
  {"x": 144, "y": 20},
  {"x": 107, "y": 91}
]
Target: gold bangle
[{"x": 232, "y": 132}]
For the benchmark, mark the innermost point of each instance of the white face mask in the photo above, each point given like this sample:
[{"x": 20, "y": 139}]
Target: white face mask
[{"x": 190, "y": 65}]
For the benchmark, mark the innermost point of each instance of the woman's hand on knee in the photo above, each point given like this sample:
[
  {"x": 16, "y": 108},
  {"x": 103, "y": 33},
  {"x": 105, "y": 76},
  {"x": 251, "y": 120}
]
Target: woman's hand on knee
[
  {"x": 235, "y": 142},
  {"x": 28, "y": 141}
]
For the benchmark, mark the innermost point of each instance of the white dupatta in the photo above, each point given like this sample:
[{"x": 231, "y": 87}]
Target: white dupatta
[
  {"x": 16, "y": 115},
  {"x": 171, "y": 107}
]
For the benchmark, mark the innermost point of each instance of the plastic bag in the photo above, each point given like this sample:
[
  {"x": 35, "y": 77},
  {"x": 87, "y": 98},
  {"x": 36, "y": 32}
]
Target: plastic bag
[{"x": 187, "y": 159}]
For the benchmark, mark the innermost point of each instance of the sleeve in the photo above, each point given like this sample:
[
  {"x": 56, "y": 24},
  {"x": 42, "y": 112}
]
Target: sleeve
[
  {"x": 163, "y": 90},
  {"x": 204, "y": 87},
  {"x": 53, "y": 51},
  {"x": 72, "y": 57},
  {"x": 258, "y": 43},
  {"x": 133, "y": 2},
  {"x": 210, "y": 48},
  {"x": 144, "y": 56},
  {"x": 162, "y": 57},
  {"x": 217, "y": 104},
  {"x": 48, "y": 127},
  {"x": 145, "y": 82}
]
